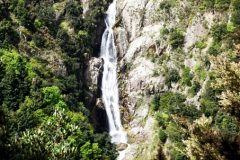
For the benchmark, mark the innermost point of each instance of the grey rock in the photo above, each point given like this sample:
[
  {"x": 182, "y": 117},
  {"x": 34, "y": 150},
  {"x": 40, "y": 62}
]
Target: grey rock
[
  {"x": 121, "y": 146},
  {"x": 85, "y": 4},
  {"x": 93, "y": 74},
  {"x": 121, "y": 41}
]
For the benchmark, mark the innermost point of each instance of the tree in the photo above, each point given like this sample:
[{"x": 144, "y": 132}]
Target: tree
[
  {"x": 46, "y": 14},
  {"x": 90, "y": 151},
  {"x": 52, "y": 95},
  {"x": 8, "y": 35},
  {"x": 207, "y": 141},
  {"x": 74, "y": 15},
  {"x": 228, "y": 78},
  {"x": 22, "y": 13}
]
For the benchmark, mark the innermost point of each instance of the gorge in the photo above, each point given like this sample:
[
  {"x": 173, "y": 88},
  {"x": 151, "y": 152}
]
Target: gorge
[{"x": 120, "y": 79}]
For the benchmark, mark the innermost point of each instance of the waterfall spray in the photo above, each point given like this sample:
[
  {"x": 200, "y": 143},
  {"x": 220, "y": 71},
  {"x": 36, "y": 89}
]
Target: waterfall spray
[{"x": 109, "y": 80}]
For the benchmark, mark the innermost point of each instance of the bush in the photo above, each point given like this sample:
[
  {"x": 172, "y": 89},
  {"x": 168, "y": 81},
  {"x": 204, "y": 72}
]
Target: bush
[
  {"x": 179, "y": 156},
  {"x": 195, "y": 88},
  {"x": 230, "y": 27},
  {"x": 165, "y": 4},
  {"x": 164, "y": 31},
  {"x": 174, "y": 133},
  {"x": 208, "y": 107},
  {"x": 222, "y": 5},
  {"x": 155, "y": 102},
  {"x": 37, "y": 23},
  {"x": 236, "y": 4},
  {"x": 74, "y": 15},
  {"x": 176, "y": 38},
  {"x": 209, "y": 4},
  {"x": 23, "y": 14},
  {"x": 163, "y": 119},
  {"x": 171, "y": 102},
  {"x": 201, "y": 45},
  {"x": 155, "y": 73},
  {"x": 186, "y": 77},
  {"x": 38, "y": 39},
  {"x": 214, "y": 49},
  {"x": 162, "y": 136},
  {"x": 236, "y": 17},
  {"x": 8, "y": 36},
  {"x": 218, "y": 31},
  {"x": 46, "y": 14},
  {"x": 190, "y": 112},
  {"x": 173, "y": 76},
  {"x": 226, "y": 123}
]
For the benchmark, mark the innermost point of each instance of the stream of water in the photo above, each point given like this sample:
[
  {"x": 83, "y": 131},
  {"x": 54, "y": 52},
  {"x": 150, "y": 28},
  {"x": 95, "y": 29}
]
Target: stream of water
[{"x": 109, "y": 80}]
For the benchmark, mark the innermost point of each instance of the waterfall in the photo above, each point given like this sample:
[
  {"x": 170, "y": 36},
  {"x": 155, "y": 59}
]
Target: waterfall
[{"x": 109, "y": 80}]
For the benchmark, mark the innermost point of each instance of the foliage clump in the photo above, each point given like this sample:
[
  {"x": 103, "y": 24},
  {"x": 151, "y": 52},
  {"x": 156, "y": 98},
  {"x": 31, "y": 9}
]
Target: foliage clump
[
  {"x": 176, "y": 38},
  {"x": 172, "y": 76}
]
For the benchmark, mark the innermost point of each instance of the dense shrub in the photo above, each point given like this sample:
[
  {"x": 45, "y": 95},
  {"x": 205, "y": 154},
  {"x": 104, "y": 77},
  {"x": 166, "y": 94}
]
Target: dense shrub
[
  {"x": 176, "y": 38},
  {"x": 186, "y": 77},
  {"x": 164, "y": 31},
  {"x": 222, "y": 5},
  {"x": 162, "y": 136},
  {"x": 22, "y": 13},
  {"x": 74, "y": 15},
  {"x": 8, "y": 35},
  {"x": 195, "y": 88},
  {"x": 46, "y": 14},
  {"x": 236, "y": 17},
  {"x": 172, "y": 76},
  {"x": 155, "y": 102},
  {"x": 39, "y": 39},
  {"x": 226, "y": 123},
  {"x": 166, "y": 4},
  {"x": 14, "y": 84},
  {"x": 209, "y": 4},
  {"x": 214, "y": 49},
  {"x": 218, "y": 31},
  {"x": 171, "y": 102}
]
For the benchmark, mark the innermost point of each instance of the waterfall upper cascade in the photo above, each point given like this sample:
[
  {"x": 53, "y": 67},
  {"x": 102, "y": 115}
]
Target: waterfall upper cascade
[{"x": 109, "y": 81}]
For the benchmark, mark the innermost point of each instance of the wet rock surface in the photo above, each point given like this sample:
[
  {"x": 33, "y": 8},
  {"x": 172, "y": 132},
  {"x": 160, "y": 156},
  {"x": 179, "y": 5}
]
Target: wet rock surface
[{"x": 121, "y": 146}]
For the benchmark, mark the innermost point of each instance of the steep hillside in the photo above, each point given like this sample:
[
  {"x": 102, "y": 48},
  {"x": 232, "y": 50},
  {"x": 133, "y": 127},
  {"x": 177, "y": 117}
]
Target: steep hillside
[
  {"x": 45, "y": 109},
  {"x": 178, "y": 76}
]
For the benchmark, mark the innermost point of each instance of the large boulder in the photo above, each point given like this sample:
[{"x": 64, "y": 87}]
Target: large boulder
[
  {"x": 122, "y": 41},
  {"x": 93, "y": 79},
  {"x": 121, "y": 146},
  {"x": 93, "y": 74}
]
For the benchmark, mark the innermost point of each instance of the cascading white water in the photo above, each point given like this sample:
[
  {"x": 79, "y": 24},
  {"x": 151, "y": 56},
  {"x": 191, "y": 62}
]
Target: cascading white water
[{"x": 109, "y": 80}]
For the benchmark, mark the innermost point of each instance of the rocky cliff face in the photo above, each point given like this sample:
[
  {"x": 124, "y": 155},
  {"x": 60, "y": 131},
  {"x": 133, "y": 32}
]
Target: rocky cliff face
[
  {"x": 135, "y": 35},
  {"x": 140, "y": 45},
  {"x": 152, "y": 40}
]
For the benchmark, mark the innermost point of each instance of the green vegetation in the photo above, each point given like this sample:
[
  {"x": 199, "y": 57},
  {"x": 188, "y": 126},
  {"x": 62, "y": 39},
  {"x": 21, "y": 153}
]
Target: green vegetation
[
  {"x": 166, "y": 5},
  {"x": 164, "y": 31},
  {"x": 186, "y": 77},
  {"x": 212, "y": 123},
  {"x": 8, "y": 35},
  {"x": 172, "y": 76},
  {"x": 219, "y": 5},
  {"x": 222, "y": 5},
  {"x": 43, "y": 112},
  {"x": 176, "y": 38},
  {"x": 199, "y": 117},
  {"x": 236, "y": 14}
]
